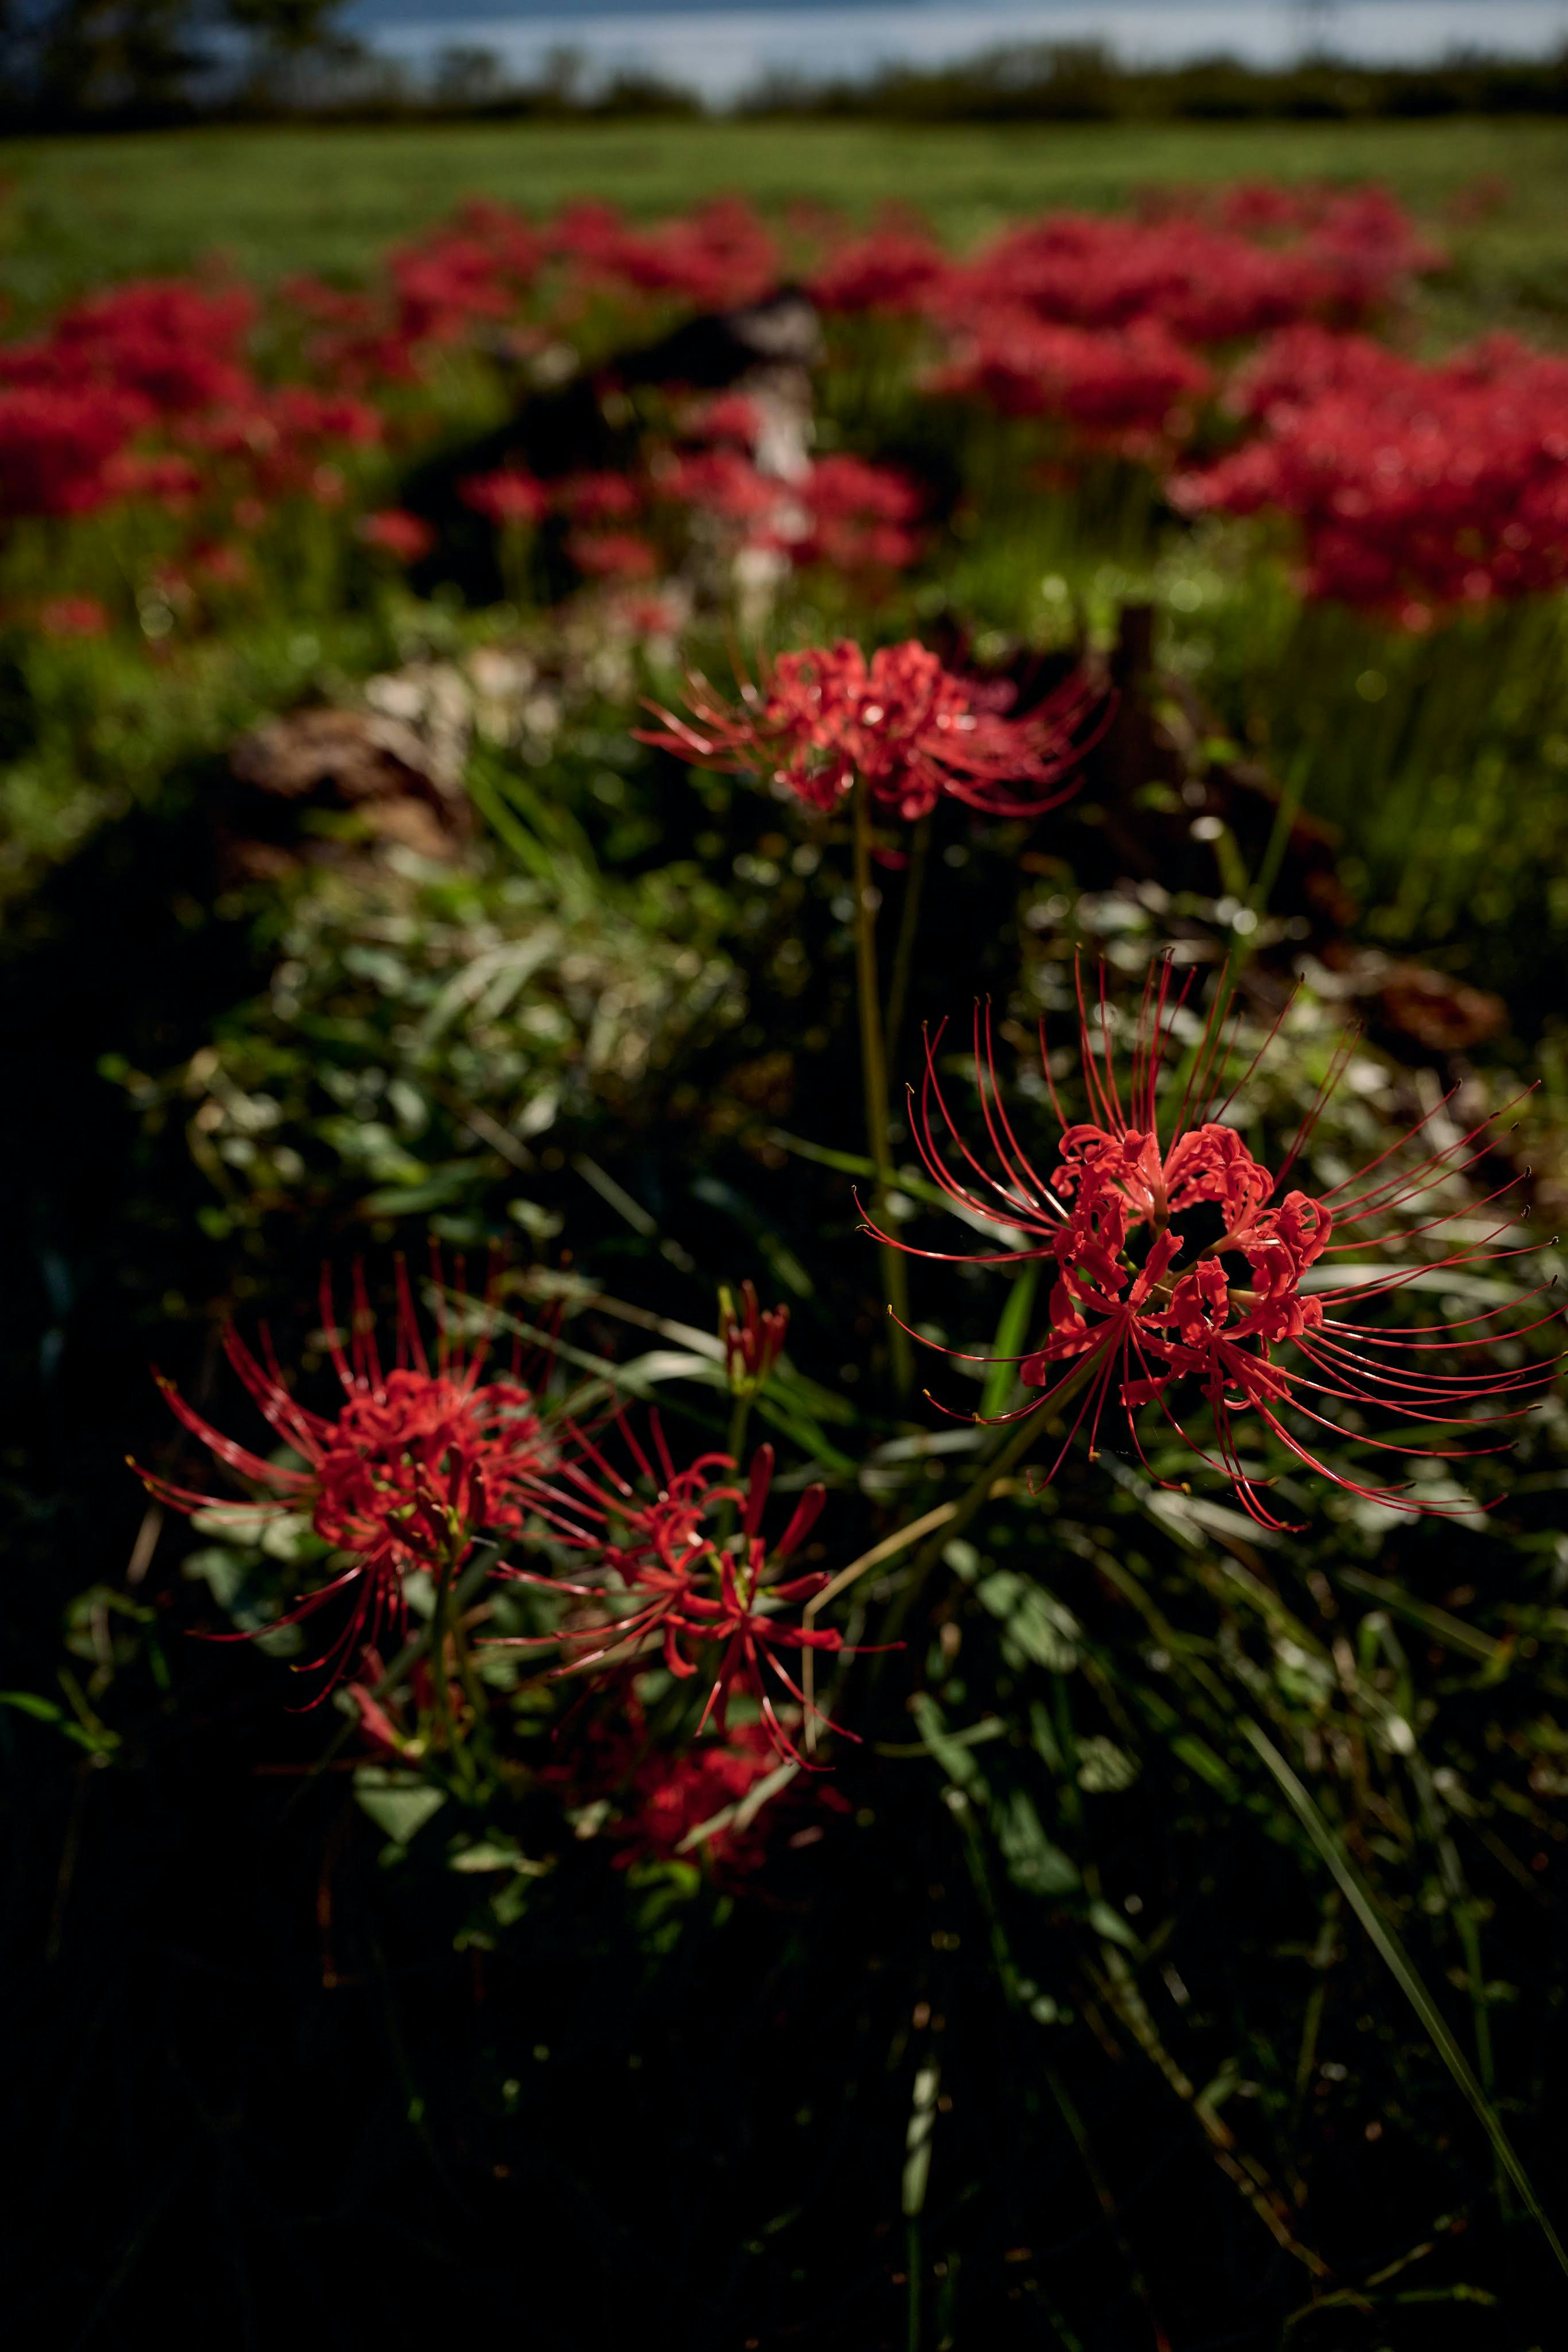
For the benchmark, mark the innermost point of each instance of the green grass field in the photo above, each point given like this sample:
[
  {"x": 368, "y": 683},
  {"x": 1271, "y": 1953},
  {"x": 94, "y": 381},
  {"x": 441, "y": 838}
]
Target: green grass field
[{"x": 288, "y": 198}]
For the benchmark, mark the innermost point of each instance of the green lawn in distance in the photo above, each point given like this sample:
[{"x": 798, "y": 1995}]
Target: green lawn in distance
[{"x": 328, "y": 198}]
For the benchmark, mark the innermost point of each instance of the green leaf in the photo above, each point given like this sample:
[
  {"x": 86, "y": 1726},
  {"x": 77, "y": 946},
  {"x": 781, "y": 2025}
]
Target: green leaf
[
  {"x": 1037, "y": 1626},
  {"x": 398, "y": 1802},
  {"x": 29, "y": 1703},
  {"x": 1403, "y": 1969},
  {"x": 955, "y": 1758},
  {"x": 1012, "y": 1331},
  {"x": 1033, "y": 1863},
  {"x": 1207, "y": 1765}
]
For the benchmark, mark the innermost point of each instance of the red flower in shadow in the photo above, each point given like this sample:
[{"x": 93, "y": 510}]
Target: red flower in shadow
[
  {"x": 415, "y": 1465},
  {"x": 675, "y": 1574}
]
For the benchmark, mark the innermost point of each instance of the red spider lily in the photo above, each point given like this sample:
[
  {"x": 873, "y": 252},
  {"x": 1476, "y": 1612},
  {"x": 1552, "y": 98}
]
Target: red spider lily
[
  {"x": 717, "y": 257},
  {"x": 73, "y": 616},
  {"x": 651, "y": 615},
  {"x": 398, "y": 533},
  {"x": 601, "y": 497},
  {"x": 1412, "y": 484},
  {"x": 753, "y": 1339},
  {"x": 1147, "y": 1296},
  {"x": 508, "y": 498},
  {"x": 913, "y": 732},
  {"x": 895, "y": 269},
  {"x": 414, "y": 1467},
  {"x": 670, "y": 1796},
  {"x": 278, "y": 438},
  {"x": 173, "y": 482},
  {"x": 728, "y": 416},
  {"x": 170, "y": 344},
  {"x": 458, "y": 275},
  {"x": 1136, "y": 379},
  {"x": 672, "y": 1579},
  {"x": 59, "y": 447},
  {"x": 220, "y": 565},
  {"x": 861, "y": 516},
  {"x": 613, "y": 554},
  {"x": 722, "y": 481},
  {"x": 657, "y": 1799},
  {"x": 1200, "y": 283}
]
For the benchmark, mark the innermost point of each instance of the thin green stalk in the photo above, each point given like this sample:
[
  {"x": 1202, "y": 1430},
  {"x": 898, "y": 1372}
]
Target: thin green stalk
[
  {"x": 440, "y": 1626},
  {"x": 908, "y": 932},
  {"x": 446, "y": 1628},
  {"x": 912, "y": 2256},
  {"x": 1026, "y": 1433},
  {"x": 1404, "y": 1971},
  {"x": 873, "y": 1074}
]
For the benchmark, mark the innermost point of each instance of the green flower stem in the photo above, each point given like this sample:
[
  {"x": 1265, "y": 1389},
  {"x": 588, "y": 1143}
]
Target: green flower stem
[
  {"x": 995, "y": 1467},
  {"x": 440, "y": 1625},
  {"x": 447, "y": 1629},
  {"x": 908, "y": 932},
  {"x": 873, "y": 1072}
]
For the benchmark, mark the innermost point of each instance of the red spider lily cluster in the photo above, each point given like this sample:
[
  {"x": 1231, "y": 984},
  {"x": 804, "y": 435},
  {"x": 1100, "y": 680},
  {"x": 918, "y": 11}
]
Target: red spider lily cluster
[
  {"x": 901, "y": 724},
  {"x": 212, "y": 415},
  {"x": 420, "y": 1460},
  {"x": 672, "y": 1580},
  {"x": 669, "y": 1807},
  {"x": 1414, "y": 486},
  {"x": 426, "y": 1457},
  {"x": 1149, "y": 1301},
  {"x": 1126, "y": 386},
  {"x": 661, "y": 1799},
  {"x": 1105, "y": 322},
  {"x": 147, "y": 392}
]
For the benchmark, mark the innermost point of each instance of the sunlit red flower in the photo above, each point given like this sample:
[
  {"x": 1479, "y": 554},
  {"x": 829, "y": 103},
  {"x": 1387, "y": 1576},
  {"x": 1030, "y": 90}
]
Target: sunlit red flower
[
  {"x": 508, "y": 498},
  {"x": 671, "y": 1582},
  {"x": 1412, "y": 484},
  {"x": 895, "y": 269},
  {"x": 174, "y": 346},
  {"x": 1133, "y": 379},
  {"x": 1200, "y": 283},
  {"x": 418, "y": 1462},
  {"x": 908, "y": 728},
  {"x": 398, "y": 533},
  {"x": 716, "y": 256},
  {"x": 1180, "y": 1262}
]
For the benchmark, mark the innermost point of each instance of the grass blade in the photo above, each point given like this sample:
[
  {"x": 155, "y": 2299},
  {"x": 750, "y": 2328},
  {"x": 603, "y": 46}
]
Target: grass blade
[{"x": 1359, "y": 1896}]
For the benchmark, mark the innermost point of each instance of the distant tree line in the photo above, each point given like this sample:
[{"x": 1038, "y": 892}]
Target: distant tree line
[
  {"x": 1084, "y": 82},
  {"x": 78, "y": 64}
]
